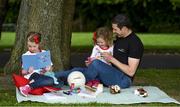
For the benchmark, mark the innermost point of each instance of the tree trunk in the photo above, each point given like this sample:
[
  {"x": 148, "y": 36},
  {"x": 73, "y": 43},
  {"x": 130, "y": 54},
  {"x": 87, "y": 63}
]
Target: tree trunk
[
  {"x": 47, "y": 17},
  {"x": 3, "y": 11},
  {"x": 67, "y": 29}
]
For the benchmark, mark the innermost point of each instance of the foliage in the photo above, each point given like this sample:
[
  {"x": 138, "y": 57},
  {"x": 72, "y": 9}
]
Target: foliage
[
  {"x": 103, "y": 1},
  {"x": 13, "y": 11},
  {"x": 146, "y": 15},
  {"x": 176, "y": 3}
]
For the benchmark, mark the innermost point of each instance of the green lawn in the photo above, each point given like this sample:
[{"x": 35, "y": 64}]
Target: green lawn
[
  {"x": 82, "y": 42},
  {"x": 167, "y": 80},
  {"x": 7, "y": 40}
]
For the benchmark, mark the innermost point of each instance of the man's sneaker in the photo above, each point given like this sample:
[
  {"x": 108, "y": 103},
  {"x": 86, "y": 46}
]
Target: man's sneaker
[{"x": 24, "y": 90}]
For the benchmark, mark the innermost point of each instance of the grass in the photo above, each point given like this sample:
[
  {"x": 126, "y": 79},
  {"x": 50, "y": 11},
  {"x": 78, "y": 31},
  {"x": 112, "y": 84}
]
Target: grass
[
  {"x": 167, "y": 80},
  {"x": 7, "y": 41},
  {"x": 161, "y": 43},
  {"x": 82, "y": 42}
]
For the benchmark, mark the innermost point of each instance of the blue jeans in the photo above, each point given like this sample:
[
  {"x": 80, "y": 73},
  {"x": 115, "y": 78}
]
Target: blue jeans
[
  {"x": 42, "y": 80},
  {"x": 107, "y": 74}
]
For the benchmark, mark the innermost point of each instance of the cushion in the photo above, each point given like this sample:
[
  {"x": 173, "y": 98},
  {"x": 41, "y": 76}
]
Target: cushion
[
  {"x": 41, "y": 90},
  {"x": 19, "y": 80}
]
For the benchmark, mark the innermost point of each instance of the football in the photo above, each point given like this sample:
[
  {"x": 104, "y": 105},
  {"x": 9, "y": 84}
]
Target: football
[{"x": 77, "y": 79}]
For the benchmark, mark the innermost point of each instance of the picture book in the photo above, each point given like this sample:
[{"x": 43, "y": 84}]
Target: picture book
[{"x": 37, "y": 61}]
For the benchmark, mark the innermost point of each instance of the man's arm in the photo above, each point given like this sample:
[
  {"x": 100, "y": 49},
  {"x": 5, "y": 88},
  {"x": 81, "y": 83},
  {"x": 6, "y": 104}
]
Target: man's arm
[{"x": 129, "y": 69}]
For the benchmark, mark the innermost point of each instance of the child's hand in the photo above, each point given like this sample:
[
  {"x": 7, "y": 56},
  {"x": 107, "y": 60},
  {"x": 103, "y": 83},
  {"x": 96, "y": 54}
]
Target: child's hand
[
  {"x": 48, "y": 68},
  {"x": 44, "y": 70},
  {"x": 24, "y": 72},
  {"x": 88, "y": 61},
  {"x": 107, "y": 56},
  {"x": 30, "y": 70}
]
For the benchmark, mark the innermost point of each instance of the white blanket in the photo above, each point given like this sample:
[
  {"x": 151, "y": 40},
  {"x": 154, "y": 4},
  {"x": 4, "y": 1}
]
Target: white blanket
[{"x": 126, "y": 96}]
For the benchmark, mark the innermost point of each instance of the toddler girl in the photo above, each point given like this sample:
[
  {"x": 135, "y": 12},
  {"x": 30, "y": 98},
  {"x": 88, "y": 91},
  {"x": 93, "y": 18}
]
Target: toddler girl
[{"x": 103, "y": 40}]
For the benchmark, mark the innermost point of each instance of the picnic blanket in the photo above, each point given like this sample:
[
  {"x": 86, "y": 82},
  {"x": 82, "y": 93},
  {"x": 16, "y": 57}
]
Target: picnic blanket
[{"x": 126, "y": 96}]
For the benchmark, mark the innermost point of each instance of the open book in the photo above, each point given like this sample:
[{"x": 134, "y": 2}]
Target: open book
[{"x": 37, "y": 61}]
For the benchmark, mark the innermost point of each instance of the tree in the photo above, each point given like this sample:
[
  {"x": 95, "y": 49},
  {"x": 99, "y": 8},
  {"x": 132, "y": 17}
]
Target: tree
[
  {"x": 52, "y": 18},
  {"x": 3, "y": 11}
]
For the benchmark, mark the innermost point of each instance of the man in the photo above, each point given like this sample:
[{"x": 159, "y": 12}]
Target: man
[{"x": 127, "y": 53}]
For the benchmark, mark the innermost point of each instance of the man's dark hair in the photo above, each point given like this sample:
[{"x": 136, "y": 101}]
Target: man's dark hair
[{"x": 122, "y": 20}]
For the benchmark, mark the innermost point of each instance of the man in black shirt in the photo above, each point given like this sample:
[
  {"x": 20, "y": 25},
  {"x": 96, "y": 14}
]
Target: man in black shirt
[
  {"x": 127, "y": 53},
  {"x": 128, "y": 48}
]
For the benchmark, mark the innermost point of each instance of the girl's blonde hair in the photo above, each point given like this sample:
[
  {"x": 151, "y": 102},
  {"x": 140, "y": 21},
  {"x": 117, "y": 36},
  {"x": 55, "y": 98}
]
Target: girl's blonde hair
[{"x": 104, "y": 33}]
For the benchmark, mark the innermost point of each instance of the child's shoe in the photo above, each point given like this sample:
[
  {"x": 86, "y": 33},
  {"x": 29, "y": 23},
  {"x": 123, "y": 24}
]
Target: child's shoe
[{"x": 24, "y": 90}]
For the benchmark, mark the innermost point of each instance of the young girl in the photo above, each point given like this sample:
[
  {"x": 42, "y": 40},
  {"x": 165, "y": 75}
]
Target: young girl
[
  {"x": 103, "y": 40},
  {"x": 37, "y": 77}
]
